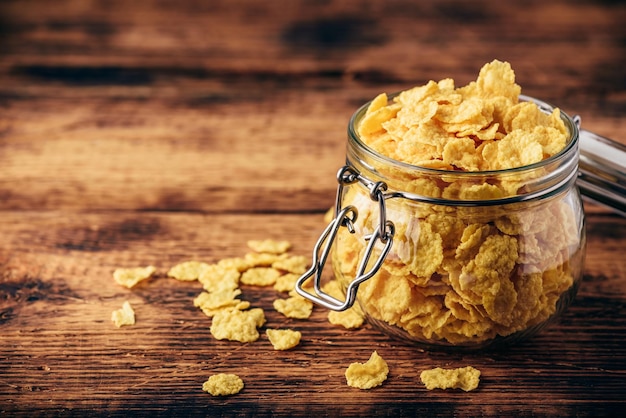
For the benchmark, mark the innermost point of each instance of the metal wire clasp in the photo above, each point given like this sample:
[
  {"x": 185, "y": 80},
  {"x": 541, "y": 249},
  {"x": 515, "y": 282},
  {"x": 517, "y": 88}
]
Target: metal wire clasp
[{"x": 345, "y": 218}]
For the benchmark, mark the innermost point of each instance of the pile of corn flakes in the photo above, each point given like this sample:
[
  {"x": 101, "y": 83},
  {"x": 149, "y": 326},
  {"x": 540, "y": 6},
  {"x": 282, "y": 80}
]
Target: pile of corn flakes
[
  {"x": 268, "y": 265},
  {"x": 479, "y": 127},
  {"x": 463, "y": 275}
]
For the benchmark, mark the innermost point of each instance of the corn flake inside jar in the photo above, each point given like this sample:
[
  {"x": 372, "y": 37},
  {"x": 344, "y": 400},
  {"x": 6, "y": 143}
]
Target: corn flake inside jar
[{"x": 464, "y": 274}]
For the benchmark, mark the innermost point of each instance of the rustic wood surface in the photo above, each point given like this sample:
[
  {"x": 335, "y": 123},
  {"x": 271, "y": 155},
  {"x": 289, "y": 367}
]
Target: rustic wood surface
[{"x": 154, "y": 132}]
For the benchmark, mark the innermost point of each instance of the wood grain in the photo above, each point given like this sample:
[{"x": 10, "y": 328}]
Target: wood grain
[{"x": 151, "y": 132}]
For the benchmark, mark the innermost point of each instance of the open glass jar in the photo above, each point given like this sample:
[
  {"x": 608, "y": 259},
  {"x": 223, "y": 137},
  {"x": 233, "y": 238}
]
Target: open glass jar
[{"x": 454, "y": 259}]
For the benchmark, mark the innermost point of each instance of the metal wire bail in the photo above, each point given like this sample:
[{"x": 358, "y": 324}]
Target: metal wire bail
[{"x": 346, "y": 217}]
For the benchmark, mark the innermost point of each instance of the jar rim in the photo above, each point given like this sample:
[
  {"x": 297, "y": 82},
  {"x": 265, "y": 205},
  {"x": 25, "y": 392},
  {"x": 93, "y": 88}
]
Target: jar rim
[{"x": 571, "y": 144}]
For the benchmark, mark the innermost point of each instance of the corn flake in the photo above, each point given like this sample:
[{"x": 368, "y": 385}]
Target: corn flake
[
  {"x": 286, "y": 282},
  {"x": 262, "y": 259},
  {"x": 294, "y": 307},
  {"x": 283, "y": 339},
  {"x": 295, "y": 264},
  {"x": 187, "y": 271},
  {"x": 466, "y": 378},
  {"x": 260, "y": 276},
  {"x": 223, "y": 384},
  {"x": 217, "y": 277},
  {"x": 129, "y": 277},
  {"x": 211, "y": 301},
  {"x": 123, "y": 316},
  {"x": 369, "y": 374},
  {"x": 269, "y": 246},
  {"x": 237, "y": 325},
  {"x": 351, "y": 318},
  {"x": 238, "y": 263}
]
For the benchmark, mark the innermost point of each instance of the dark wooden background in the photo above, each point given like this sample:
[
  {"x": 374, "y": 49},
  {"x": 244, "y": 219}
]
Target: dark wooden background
[{"x": 154, "y": 132}]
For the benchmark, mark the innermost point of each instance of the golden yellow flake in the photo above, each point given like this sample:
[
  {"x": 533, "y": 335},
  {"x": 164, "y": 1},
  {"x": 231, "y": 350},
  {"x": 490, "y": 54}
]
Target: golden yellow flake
[
  {"x": 283, "y": 339},
  {"x": 369, "y": 374},
  {"x": 187, "y": 270},
  {"x": 216, "y": 277},
  {"x": 351, "y": 318},
  {"x": 237, "y": 325},
  {"x": 260, "y": 276},
  {"x": 223, "y": 384},
  {"x": 294, "y": 307},
  {"x": 466, "y": 378},
  {"x": 269, "y": 246},
  {"x": 286, "y": 282},
  {"x": 263, "y": 259},
  {"x": 238, "y": 263},
  {"x": 123, "y": 316},
  {"x": 212, "y": 301},
  {"x": 129, "y": 277},
  {"x": 296, "y": 264}
]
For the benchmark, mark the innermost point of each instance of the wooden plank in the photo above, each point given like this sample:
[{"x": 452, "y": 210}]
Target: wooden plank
[{"x": 61, "y": 353}]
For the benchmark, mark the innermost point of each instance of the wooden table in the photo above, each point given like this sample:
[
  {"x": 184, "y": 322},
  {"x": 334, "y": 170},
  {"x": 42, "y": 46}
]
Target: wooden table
[{"x": 151, "y": 132}]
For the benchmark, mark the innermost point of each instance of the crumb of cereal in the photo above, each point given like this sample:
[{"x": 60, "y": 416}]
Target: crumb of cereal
[
  {"x": 237, "y": 325},
  {"x": 187, "y": 270},
  {"x": 369, "y": 374},
  {"x": 223, "y": 384},
  {"x": 294, "y": 307},
  {"x": 269, "y": 246},
  {"x": 123, "y": 316},
  {"x": 129, "y": 277},
  {"x": 466, "y": 378},
  {"x": 283, "y": 339}
]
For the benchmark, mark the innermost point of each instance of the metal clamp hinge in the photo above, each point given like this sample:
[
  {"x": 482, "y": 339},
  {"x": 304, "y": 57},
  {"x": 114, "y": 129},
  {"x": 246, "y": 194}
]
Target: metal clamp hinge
[{"x": 345, "y": 218}]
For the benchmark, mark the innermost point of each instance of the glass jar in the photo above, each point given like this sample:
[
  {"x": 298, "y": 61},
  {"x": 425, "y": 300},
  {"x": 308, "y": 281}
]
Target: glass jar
[{"x": 454, "y": 259}]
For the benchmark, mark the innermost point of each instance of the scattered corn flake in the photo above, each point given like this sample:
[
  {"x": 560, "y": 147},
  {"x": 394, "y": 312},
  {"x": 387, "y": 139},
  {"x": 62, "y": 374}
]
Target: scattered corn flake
[
  {"x": 283, "y": 339},
  {"x": 269, "y": 246},
  {"x": 214, "y": 300},
  {"x": 237, "y": 325},
  {"x": 369, "y": 374},
  {"x": 286, "y": 282},
  {"x": 295, "y": 264},
  {"x": 129, "y": 277},
  {"x": 294, "y": 307},
  {"x": 263, "y": 259},
  {"x": 123, "y": 316},
  {"x": 351, "y": 318},
  {"x": 187, "y": 270},
  {"x": 466, "y": 378},
  {"x": 239, "y": 305},
  {"x": 223, "y": 384},
  {"x": 216, "y": 277},
  {"x": 238, "y": 263},
  {"x": 260, "y": 276}
]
